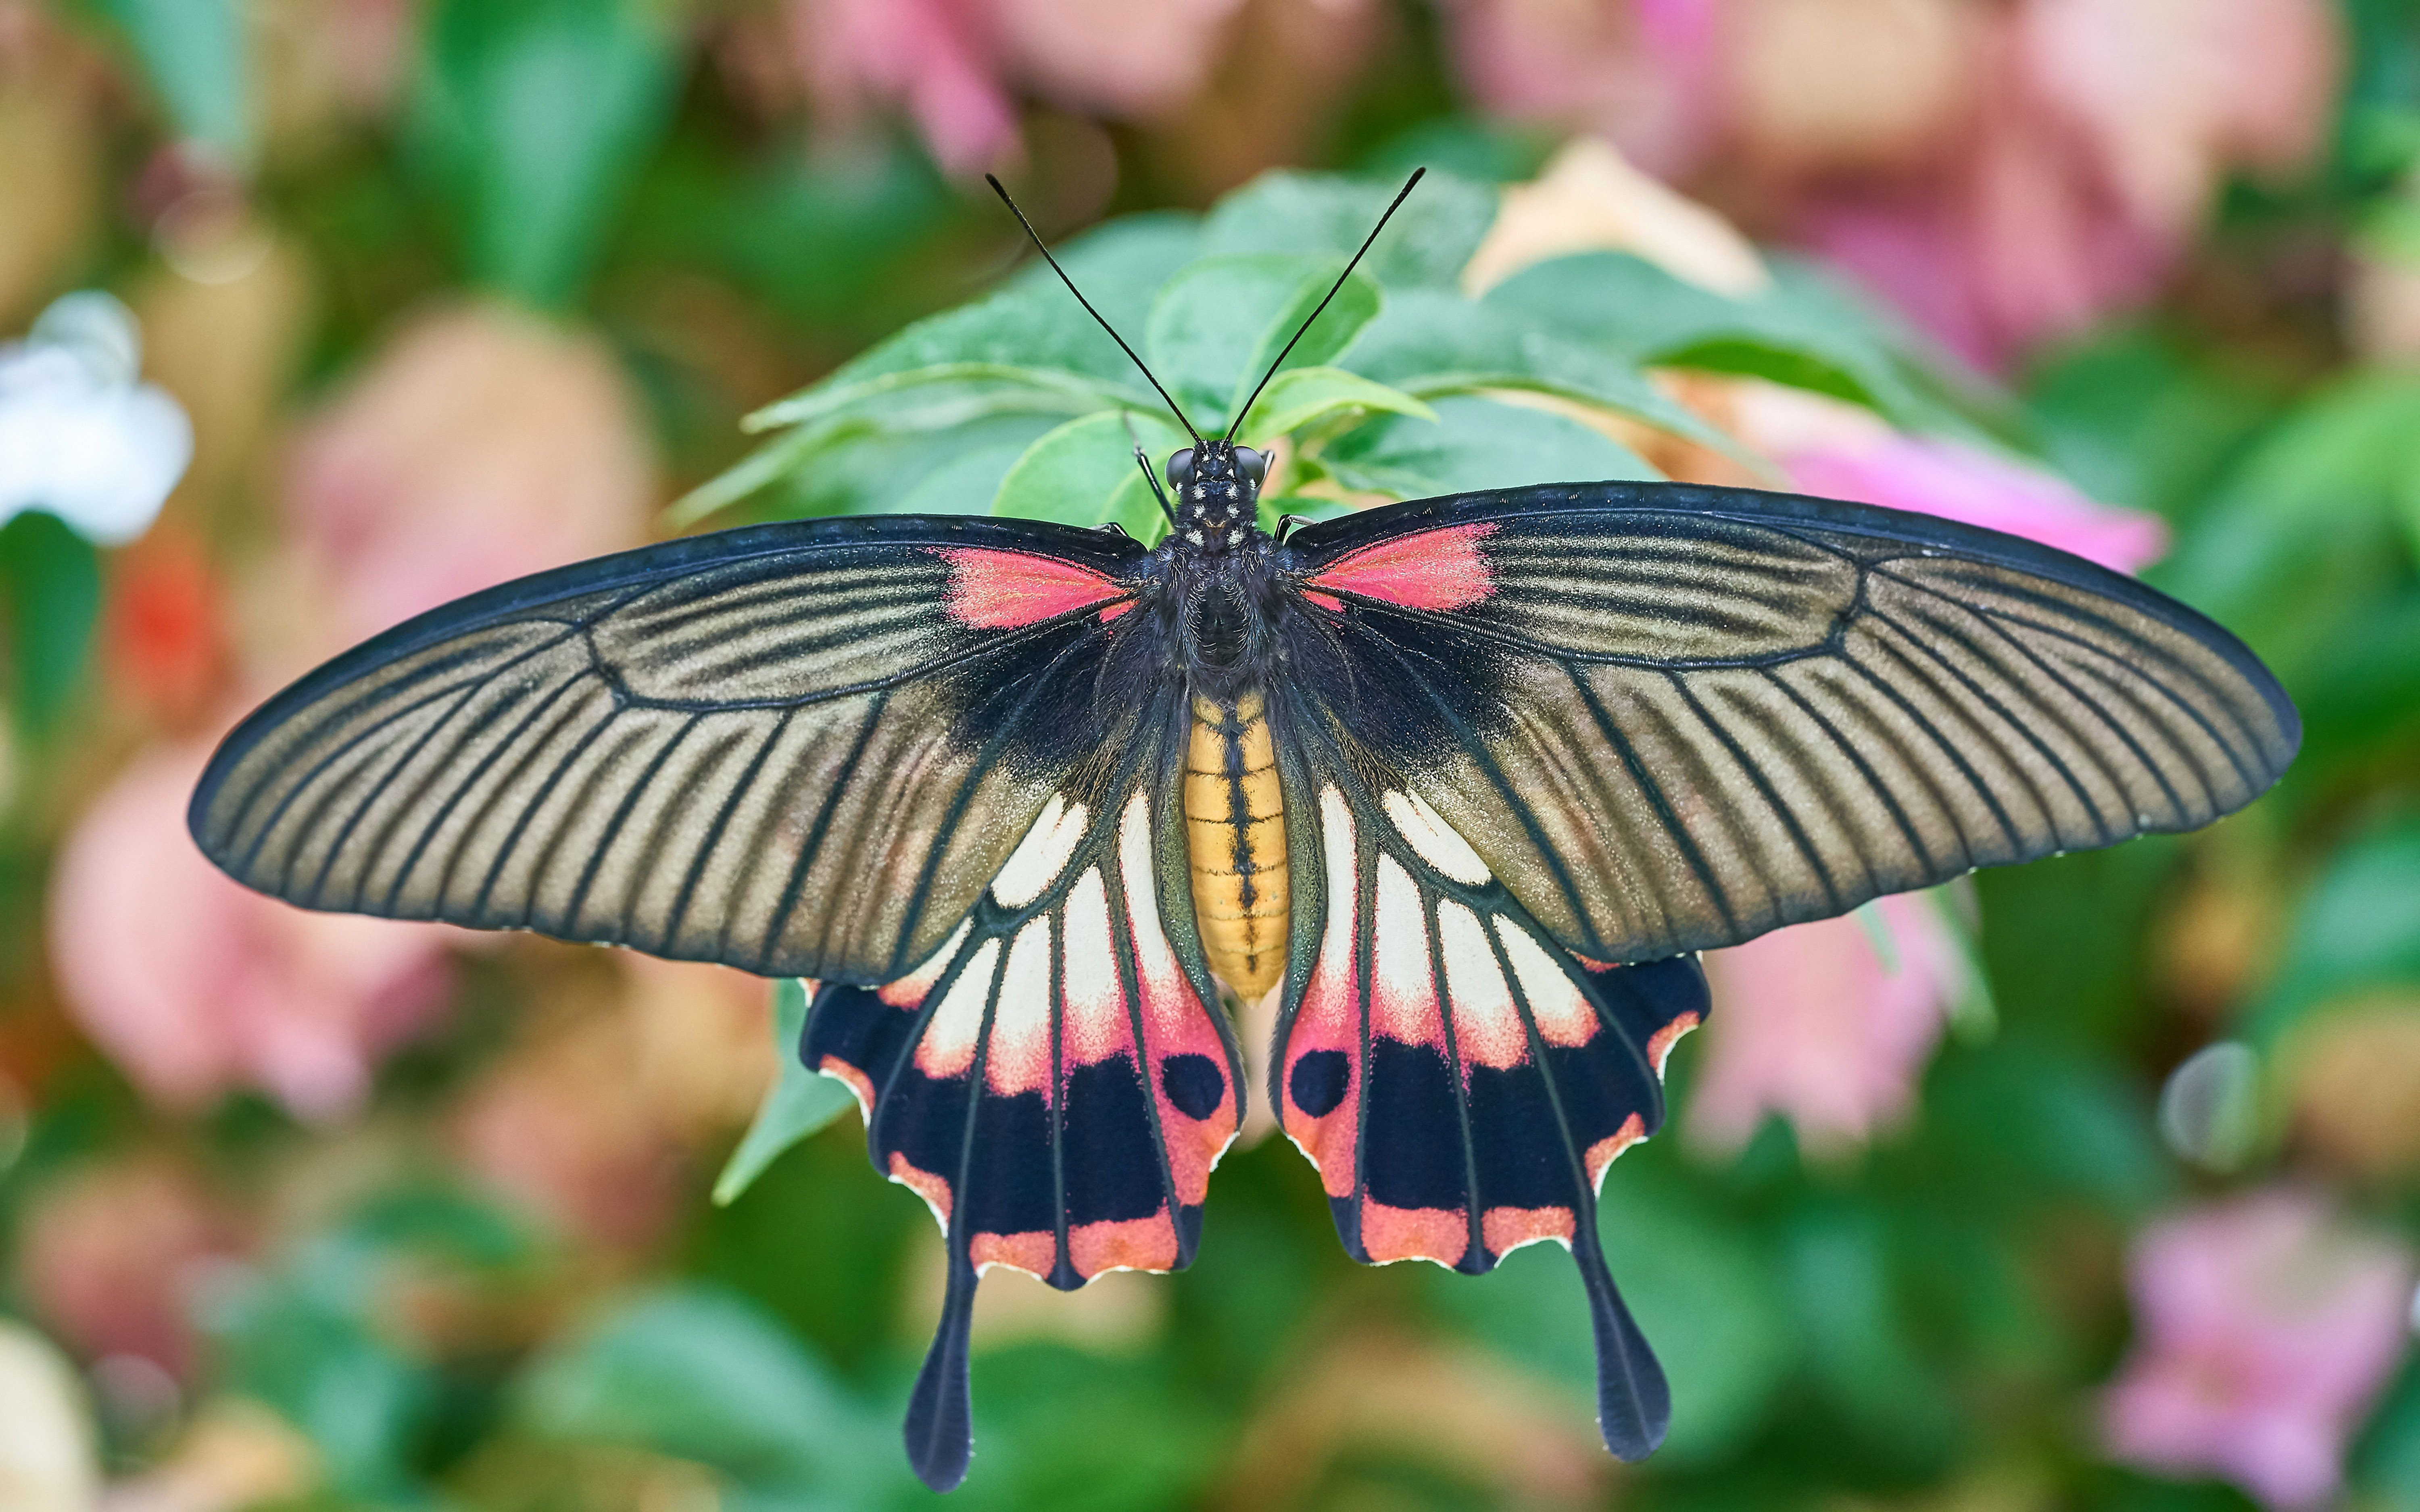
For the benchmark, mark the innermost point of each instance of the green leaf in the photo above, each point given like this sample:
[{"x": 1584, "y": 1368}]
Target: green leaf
[
  {"x": 1703, "y": 1294},
  {"x": 1302, "y": 398},
  {"x": 799, "y": 1101},
  {"x": 2357, "y": 930},
  {"x": 1426, "y": 244},
  {"x": 50, "y": 580},
  {"x": 2302, "y": 534},
  {"x": 861, "y": 469},
  {"x": 1218, "y": 325},
  {"x": 1805, "y": 332},
  {"x": 701, "y": 1375},
  {"x": 534, "y": 115},
  {"x": 1475, "y": 443},
  {"x": 942, "y": 395},
  {"x": 198, "y": 56},
  {"x": 1120, "y": 265},
  {"x": 1851, "y": 1315},
  {"x": 1432, "y": 343},
  {"x": 1084, "y": 474},
  {"x": 1031, "y": 337}
]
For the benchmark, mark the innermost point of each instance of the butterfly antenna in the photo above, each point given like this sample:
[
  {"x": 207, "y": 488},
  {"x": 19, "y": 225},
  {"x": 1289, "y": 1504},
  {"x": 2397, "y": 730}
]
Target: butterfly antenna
[
  {"x": 1039, "y": 247},
  {"x": 1143, "y": 460},
  {"x": 1401, "y": 195}
]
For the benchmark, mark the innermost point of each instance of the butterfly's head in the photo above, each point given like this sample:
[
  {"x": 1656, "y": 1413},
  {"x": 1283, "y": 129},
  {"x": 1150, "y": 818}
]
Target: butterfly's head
[{"x": 1217, "y": 489}]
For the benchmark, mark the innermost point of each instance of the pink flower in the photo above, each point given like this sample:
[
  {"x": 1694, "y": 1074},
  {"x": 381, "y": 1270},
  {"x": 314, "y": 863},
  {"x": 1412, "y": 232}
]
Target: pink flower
[
  {"x": 2174, "y": 94},
  {"x": 2103, "y": 133},
  {"x": 1813, "y": 1022},
  {"x": 933, "y": 57},
  {"x": 194, "y": 984},
  {"x": 955, "y": 66},
  {"x": 112, "y": 1253},
  {"x": 1839, "y": 451},
  {"x": 1639, "y": 72},
  {"x": 481, "y": 444},
  {"x": 2264, "y": 1328}
]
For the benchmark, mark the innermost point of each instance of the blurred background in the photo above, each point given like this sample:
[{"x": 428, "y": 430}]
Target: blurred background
[{"x": 2090, "y": 1185}]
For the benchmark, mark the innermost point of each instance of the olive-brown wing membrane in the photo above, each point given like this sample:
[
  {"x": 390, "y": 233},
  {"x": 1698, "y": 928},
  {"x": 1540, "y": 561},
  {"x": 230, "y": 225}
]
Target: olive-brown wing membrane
[
  {"x": 799, "y": 750},
  {"x": 1674, "y": 718}
]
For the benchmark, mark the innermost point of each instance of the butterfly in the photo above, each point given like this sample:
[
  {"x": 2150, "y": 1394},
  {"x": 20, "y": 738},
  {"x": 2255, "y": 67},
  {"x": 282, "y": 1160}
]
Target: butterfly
[{"x": 1465, "y": 783}]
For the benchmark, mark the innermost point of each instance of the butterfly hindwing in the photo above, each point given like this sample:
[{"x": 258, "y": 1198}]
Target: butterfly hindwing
[
  {"x": 799, "y": 750},
  {"x": 1056, "y": 1081},
  {"x": 1462, "y": 1081},
  {"x": 1673, "y": 717}
]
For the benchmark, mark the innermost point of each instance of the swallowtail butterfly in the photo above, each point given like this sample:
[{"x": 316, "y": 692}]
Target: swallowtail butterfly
[{"x": 1466, "y": 781}]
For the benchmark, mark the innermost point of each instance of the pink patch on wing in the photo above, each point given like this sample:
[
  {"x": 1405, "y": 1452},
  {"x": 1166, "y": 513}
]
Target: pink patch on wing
[
  {"x": 1439, "y": 1234},
  {"x": 859, "y": 1085},
  {"x": 1326, "y": 601},
  {"x": 1174, "y": 1021},
  {"x": 1440, "y": 569},
  {"x": 933, "y": 1189},
  {"x": 1507, "y": 1229},
  {"x": 1035, "y": 1253},
  {"x": 1005, "y": 590},
  {"x": 1329, "y": 1018},
  {"x": 1659, "y": 1049},
  {"x": 1605, "y": 1151},
  {"x": 1128, "y": 1245}
]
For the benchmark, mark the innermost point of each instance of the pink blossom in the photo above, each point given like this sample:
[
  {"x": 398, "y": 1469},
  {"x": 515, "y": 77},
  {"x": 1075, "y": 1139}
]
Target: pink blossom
[
  {"x": 2104, "y": 132},
  {"x": 955, "y": 67},
  {"x": 1976, "y": 487},
  {"x": 1813, "y": 1022},
  {"x": 1840, "y": 450},
  {"x": 481, "y": 443},
  {"x": 2264, "y": 1328},
  {"x": 2174, "y": 93},
  {"x": 2017, "y": 240},
  {"x": 935, "y": 58},
  {"x": 111, "y": 1252},
  {"x": 1638, "y": 73},
  {"x": 194, "y": 984}
]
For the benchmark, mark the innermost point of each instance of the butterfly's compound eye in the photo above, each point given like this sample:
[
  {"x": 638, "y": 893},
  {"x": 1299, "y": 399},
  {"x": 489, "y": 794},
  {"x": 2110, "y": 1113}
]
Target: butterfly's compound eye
[
  {"x": 1179, "y": 468},
  {"x": 1251, "y": 464}
]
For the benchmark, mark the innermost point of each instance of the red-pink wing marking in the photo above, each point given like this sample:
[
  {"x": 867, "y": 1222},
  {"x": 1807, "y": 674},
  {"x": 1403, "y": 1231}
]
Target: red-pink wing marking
[
  {"x": 1005, "y": 590},
  {"x": 1440, "y": 569}
]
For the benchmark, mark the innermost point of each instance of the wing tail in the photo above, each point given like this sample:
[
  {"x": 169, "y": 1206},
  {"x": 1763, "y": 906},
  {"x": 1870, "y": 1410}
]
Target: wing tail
[
  {"x": 1053, "y": 1080},
  {"x": 1460, "y": 1081}
]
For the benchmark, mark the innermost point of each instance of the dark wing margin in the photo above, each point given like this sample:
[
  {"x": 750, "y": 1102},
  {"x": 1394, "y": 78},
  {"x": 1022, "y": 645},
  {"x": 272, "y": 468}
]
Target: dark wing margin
[
  {"x": 799, "y": 750},
  {"x": 1460, "y": 1081},
  {"x": 1673, "y": 717},
  {"x": 1056, "y": 1081}
]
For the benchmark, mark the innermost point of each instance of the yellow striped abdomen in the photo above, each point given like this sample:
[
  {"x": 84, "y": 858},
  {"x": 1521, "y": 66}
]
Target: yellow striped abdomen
[{"x": 1234, "y": 832}]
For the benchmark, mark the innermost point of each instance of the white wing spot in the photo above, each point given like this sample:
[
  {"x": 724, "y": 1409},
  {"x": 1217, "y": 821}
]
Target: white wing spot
[
  {"x": 1433, "y": 840},
  {"x": 1042, "y": 855}
]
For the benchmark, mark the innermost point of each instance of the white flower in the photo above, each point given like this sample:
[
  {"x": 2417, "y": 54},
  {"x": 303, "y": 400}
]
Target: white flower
[
  {"x": 46, "y": 1440},
  {"x": 78, "y": 436}
]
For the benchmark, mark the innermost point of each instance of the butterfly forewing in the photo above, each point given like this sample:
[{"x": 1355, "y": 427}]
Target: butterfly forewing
[
  {"x": 800, "y": 750},
  {"x": 1673, "y": 717}
]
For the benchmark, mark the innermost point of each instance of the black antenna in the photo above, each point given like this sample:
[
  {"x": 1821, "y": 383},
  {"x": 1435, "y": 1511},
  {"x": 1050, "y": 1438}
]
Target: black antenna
[
  {"x": 1157, "y": 492},
  {"x": 1095, "y": 314},
  {"x": 1237, "y": 423}
]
